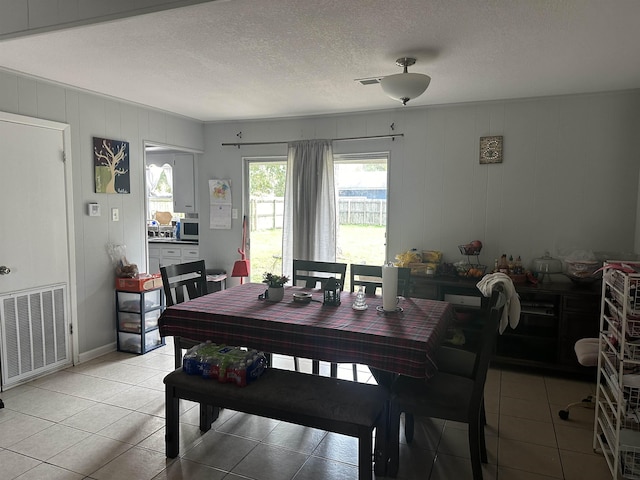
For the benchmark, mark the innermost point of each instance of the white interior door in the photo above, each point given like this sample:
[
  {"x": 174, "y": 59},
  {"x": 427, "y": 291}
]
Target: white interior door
[{"x": 34, "y": 249}]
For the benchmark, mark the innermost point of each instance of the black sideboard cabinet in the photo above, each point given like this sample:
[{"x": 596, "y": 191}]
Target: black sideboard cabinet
[{"x": 554, "y": 316}]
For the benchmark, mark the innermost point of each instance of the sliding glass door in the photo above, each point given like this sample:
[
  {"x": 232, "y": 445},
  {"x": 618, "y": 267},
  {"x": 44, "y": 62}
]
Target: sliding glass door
[
  {"x": 264, "y": 180},
  {"x": 361, "y": 184}
]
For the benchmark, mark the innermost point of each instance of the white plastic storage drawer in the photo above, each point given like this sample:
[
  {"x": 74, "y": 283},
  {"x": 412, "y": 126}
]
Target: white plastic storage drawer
[
  {"x": 130, "y": 302},
  {"x": 130, "y": 322},
  {"x": 463, "y": 300},
  {"x": 131, "y": 342}
]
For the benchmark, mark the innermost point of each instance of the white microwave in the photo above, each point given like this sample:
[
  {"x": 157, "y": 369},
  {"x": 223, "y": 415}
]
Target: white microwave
[{"x": 189, "y": 229}]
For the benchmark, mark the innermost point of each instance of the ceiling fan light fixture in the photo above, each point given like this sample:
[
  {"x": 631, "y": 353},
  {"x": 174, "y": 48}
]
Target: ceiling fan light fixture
[{"x": 405, "y": 86}]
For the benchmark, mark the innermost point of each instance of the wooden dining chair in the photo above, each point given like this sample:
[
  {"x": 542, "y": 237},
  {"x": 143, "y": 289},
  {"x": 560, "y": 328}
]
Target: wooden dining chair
[
  {"x": 181, "y": 282},
  {"x": 370, "y": 277},
  {"x": 314, "y": 274},
  {"x": 449, "y": 396}
]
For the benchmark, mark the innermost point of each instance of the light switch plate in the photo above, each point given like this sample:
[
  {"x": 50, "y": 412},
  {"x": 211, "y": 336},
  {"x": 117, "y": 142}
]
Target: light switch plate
[
  {"x": 115, "y": 214},
  {"x": 93, "y": 209},
  {"x": 234, "y": 213}
]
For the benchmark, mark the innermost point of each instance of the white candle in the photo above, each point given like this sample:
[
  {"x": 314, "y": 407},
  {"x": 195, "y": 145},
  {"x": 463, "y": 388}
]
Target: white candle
[{"x": 389, "y": 287}]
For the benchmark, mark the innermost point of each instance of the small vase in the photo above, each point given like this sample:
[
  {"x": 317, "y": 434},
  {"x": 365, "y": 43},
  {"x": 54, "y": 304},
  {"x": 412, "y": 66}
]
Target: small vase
[{"x": 276, "y": 294}]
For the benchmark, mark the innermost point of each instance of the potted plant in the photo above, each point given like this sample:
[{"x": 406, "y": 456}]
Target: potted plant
[{"x": 276, "y": 286}]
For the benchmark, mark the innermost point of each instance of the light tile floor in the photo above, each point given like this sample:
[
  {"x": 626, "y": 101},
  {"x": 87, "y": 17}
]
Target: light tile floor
[{"x": 104, "y": 419}]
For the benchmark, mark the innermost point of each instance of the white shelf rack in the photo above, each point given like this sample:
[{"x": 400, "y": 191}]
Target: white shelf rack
[{"x": 617, "y": 415}]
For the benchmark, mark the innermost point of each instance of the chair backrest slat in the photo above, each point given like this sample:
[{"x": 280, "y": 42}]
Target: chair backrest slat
[
  {"x": 313, "y": 272},
  {"x": 184, "y": 281},
  {"x": 370, "y": 277}
]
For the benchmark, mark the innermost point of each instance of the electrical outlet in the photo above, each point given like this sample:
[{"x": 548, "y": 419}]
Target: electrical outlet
[{"x": 115, "y": 214}]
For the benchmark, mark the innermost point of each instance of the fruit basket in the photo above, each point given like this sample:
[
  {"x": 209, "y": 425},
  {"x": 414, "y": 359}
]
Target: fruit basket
[
  {"x": 470, "y": 270},
  {"x": 470, "y": 249}
]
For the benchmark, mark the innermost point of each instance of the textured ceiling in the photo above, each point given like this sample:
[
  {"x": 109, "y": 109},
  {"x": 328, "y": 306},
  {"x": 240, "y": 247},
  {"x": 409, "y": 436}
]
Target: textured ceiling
[{"x": 247, "y": 59}]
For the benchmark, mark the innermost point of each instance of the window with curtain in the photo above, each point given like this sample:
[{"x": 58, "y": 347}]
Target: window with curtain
[
  {"x": 159, "y": 189},
  {"x": 361, "y": 212}
]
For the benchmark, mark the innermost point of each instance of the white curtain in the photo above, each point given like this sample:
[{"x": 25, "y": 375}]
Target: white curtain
[
  {"x": 309, "y": 231},
  {"x": 153, "y": 176}
]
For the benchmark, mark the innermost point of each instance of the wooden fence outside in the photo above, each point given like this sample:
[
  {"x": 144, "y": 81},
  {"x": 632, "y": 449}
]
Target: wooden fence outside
[{"x": 269, "y": 213}]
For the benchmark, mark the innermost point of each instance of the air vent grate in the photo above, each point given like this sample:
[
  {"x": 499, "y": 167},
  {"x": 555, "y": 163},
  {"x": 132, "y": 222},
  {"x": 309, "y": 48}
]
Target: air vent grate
[
  {"x": 368, "y": 81},
  {"x": 33, "y": 332}
]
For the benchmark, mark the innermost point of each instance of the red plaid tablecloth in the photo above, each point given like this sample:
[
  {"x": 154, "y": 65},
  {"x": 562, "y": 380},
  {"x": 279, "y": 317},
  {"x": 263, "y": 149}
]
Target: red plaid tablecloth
[{"x": 400, "y": 342}]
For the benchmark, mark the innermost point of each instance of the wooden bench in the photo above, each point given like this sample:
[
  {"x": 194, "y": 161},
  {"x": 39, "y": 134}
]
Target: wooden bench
[{"x": 326, "y": 403}]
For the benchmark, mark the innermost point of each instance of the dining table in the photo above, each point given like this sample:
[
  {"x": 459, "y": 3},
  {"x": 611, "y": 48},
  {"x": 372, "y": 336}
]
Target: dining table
[{"x": 402, "y": 341}]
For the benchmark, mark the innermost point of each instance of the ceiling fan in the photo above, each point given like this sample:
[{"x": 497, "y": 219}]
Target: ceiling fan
[{"x": 401, "y": 86}]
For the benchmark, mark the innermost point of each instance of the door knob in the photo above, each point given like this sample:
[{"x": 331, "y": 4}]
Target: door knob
[{"x": 4, "y": 270}]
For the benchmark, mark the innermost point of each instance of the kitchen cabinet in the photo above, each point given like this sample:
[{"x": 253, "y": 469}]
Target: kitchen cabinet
[
  {"x": 137, "y": 316},
  {"x": 184, "y": 191},
  {"x": 155, "y": 256},
  {"x": 617, "y": 426},
  {"x": 554, "y": 315},
  {"x": 170, "y": 253}
]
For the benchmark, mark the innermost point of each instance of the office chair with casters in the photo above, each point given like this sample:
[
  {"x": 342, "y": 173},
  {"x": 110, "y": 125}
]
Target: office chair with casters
[
  {"x": 587, "y": 350},
  {"x": 314, "y": 274},
  {"x": 180, "y": 282},
  {"x": 448, "y": 396}
]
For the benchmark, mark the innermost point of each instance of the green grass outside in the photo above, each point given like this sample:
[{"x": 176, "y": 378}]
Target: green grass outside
[{"x": 356, "y": 244}]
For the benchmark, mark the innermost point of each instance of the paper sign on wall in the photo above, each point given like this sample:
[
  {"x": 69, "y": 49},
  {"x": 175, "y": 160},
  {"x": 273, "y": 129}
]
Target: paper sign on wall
[{"x": 220, "y": 204}]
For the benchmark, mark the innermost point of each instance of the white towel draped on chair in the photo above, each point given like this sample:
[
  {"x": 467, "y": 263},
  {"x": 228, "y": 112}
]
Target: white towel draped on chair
[{"x": 511, "y": 313}]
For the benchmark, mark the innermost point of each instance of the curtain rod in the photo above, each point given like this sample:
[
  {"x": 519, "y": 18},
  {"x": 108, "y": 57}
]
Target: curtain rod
[{"x": 239, "y": 144}]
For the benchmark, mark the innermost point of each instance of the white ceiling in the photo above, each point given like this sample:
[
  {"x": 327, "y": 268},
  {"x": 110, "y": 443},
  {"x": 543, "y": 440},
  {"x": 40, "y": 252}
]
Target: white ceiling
[{"x": 246, "y": 59}]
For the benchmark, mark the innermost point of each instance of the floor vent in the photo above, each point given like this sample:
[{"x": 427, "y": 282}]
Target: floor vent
[{"x": 33, "y": 330}]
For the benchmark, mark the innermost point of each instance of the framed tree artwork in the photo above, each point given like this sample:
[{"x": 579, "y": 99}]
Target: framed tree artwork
[{"x": 111, "y": 162}]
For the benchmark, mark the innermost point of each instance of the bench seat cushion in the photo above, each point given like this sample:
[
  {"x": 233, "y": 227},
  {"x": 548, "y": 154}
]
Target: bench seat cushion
[{"x": 297, "y": 393}]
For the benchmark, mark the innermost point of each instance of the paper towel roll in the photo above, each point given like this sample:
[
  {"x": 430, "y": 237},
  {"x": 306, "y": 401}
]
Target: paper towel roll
[{"x": 389, "y": 288}]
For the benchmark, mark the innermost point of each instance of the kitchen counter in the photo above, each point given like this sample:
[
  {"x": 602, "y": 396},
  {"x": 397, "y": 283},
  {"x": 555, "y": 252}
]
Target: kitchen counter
[
  {"x": 170, "y": 251},
  {"x": 172, "y": 241}
]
